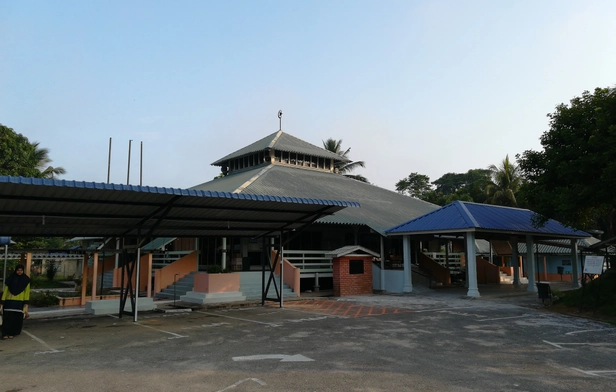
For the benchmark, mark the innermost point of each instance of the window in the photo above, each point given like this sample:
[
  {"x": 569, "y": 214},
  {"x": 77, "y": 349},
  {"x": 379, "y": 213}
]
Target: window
[{"x": 356, "y": 267}]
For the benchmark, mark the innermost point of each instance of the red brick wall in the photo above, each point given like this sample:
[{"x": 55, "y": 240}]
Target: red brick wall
[{"x": 346, "y": 284}]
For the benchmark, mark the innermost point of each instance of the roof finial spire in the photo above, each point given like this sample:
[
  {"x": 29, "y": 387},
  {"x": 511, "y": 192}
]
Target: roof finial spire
[{"x": 280, "y": 120}]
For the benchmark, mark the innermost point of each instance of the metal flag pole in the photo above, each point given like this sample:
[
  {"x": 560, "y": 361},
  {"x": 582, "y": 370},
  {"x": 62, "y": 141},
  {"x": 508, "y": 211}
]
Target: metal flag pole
[{"x": 130, "y": 142}]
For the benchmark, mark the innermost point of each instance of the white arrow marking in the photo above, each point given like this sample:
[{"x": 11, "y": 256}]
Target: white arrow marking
[{"x": 282, "y": 357}]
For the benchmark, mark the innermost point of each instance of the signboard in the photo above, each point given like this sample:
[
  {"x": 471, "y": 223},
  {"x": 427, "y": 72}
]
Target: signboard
[{"x": 593, "y": 265}]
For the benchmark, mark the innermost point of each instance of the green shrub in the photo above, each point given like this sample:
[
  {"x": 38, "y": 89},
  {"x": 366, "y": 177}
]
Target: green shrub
[{"x": 43, "y": 299}]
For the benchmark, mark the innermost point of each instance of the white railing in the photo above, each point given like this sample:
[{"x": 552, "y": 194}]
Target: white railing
[
  {"x": 309, "y": 261},
  {"x": 455, "y": 261}
]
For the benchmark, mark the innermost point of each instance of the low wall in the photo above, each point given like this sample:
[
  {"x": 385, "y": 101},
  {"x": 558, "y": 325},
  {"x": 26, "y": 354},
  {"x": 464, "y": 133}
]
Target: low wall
[
  {"x": 394, "y": 280},
  {"x": 166, "y": 276},
  {"x": 487, "y": 273},
  {"x": 291, "y": 275},
  {"x": 217, "y": 283}
]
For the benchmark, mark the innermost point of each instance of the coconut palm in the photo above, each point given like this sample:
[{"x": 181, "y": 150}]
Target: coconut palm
[
  {"x": 506, "y": 180},
  {"x": 41, "y": 155},
  {"x": 335, "y": 146}
]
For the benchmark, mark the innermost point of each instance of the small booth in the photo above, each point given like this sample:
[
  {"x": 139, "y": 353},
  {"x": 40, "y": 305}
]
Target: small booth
[{"x": 352, "y": 267}]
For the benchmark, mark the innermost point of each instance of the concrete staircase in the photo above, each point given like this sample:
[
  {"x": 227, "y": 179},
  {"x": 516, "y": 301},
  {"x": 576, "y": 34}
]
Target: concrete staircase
[
  {"x": 506, "y": 279},
  {"x": 250, "y": 287},
  {"x": 182, "y": 286}
]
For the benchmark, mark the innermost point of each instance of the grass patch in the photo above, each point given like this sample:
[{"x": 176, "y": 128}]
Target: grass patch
[
  {"x": 41, "y": 282},
  {"x": 596, "y": 300}
]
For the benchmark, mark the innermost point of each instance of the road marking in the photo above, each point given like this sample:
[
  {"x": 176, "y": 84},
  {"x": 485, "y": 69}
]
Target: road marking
[
  {"x": 315, "y": 313},
  {"x": 173, "y": 335},
  {"x": 241, "y": 319},
  {"x": 586, "y": 330},
  {"x": 308, "y": 319},
  {"x": 282, "y": 357},
  {"x": 506, "y": 318},
  {"x": 595, "y": 373},
  {"x": 560, "y": 345},
  {"x": 242, "y": 381},
  {"x": 51, "y": 349},
  {"x": 553, "y": 344},
  {"x": 450, "y": 308}
]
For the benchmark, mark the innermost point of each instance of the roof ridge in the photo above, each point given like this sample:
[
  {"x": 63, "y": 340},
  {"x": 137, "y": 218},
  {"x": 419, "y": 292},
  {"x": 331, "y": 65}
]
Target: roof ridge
[{"x": 465, "y": 213}]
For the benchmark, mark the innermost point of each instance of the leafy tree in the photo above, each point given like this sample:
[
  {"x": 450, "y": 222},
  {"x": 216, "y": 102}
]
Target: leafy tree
[
  {"x": 335, "y": 146},
  {"x": 469, "y": 186},
  {"x": 41, "y": 155},
  {"x": 506, "y": 182},
  {"x": 21, "y": 158},
  {"x": 17, "y": 157},
  {"x": 572, "y": 178},
  {"x": 415, "y": 185}
]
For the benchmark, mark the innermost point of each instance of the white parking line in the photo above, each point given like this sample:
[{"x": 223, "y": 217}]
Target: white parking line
[
  {"x": 448, "y": 308},
  {"x": 560, "y": 345},
  {"x": 586, "y": 330},
  {"x": 174, "y": 335},
  {"x": 51, "y": 349},
  {"x": 238, "y": 318},
  {"x": 243, "y": 381},
  {"x": 595, "y": 372},
  {"x": 506, "y": 318}
]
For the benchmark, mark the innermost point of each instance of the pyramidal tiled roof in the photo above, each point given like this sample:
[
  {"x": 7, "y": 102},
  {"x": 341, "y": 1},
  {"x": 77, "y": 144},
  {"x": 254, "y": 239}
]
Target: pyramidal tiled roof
[
  {"x": 466, "y": 216},
  {"x": 282, "y": 141}
]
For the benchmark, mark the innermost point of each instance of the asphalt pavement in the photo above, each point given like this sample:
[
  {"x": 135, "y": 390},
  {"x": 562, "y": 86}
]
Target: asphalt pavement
[{"x": 429, "y": 340}]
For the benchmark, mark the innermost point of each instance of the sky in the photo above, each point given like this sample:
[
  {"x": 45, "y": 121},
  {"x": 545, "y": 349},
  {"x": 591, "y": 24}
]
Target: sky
[{"x": 431, "y": 87}]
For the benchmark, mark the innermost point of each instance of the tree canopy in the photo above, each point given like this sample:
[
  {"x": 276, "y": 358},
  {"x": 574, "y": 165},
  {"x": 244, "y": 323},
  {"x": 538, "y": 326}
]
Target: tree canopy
[
  {"x": 17, "y": 157},
  {"x": 505, "y": 184},
  {"x": 414, "y": 185},
  {"x": 469, "y": 186},
  {"x": 21, "y": 158},
  {"x": 572, "y": 178},
  {"x": 345, "y": 169}
]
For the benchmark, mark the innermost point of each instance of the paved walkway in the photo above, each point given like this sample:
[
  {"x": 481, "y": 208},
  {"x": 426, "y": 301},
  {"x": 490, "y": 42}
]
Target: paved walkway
[{"x": 506, "y": 293}]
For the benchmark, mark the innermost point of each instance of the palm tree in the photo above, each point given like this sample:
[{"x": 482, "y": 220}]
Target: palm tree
[
  {"x": 41, "y": 156},
  {"x": 335, "y": 146},
  {"x": 506, "y": 180}
]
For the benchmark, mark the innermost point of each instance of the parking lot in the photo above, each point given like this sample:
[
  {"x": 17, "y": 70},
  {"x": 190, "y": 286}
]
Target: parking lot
[{"x": 415, "y": 342}]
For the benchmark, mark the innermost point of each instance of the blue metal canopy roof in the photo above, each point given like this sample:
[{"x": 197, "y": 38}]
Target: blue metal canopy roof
[
  {"x": 60, "y": 208},
  {"x": 462, "y": 216}
]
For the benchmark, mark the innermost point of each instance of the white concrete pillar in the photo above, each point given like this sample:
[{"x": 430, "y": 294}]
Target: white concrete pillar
[
  {"x": 530, "y": 264},
  {"x": 471, "y": 266},
  {"x": 575, "y": 270},
  {"x": 406, "y": 254},
  {"x": 515, "y": 261}
]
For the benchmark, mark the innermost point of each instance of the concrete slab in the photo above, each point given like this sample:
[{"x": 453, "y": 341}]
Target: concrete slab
[{"x": 111, "y": 306}]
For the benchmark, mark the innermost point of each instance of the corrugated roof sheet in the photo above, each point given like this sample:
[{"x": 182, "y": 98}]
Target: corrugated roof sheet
[
  {"x": 282, "y": 141},
  {"x": 60, "y": 208},
  {"x": 466, "y": 216},
  {"x": 351, "y": 249},
  {"x": 380, "y": 208},
  {"x": 157, "y": 243}
]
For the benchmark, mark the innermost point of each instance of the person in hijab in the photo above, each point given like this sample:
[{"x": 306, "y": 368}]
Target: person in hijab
[{"x": 14, "y": 304}]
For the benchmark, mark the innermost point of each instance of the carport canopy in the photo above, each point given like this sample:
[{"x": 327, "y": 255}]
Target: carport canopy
[
  {"x": 485, "y": 221},
  {"x": 33, "y": 207}
]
